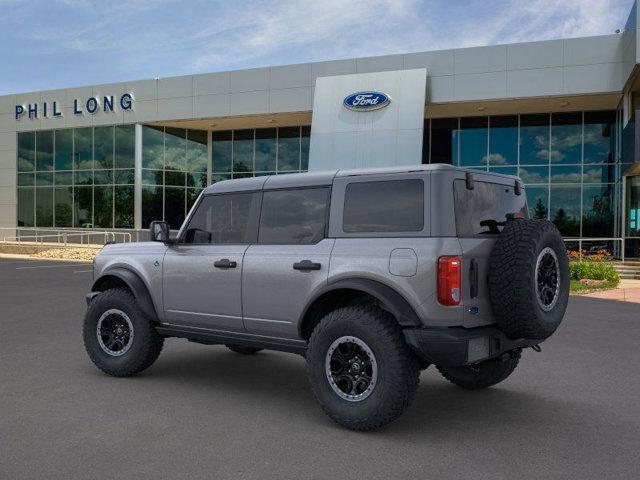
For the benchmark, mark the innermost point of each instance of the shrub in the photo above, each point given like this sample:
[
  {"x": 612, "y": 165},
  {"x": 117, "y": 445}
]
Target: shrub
[
  {"x": 591, "y": 256},
  {"x": 593, "y": 271}
]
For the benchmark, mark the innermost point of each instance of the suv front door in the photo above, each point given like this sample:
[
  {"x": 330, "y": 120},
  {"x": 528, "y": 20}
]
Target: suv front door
[
  {"x": 202, "y": 276},
  {"x": 290, "y": 260}
]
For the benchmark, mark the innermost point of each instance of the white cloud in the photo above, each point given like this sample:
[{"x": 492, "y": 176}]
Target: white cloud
[{"x": 144, "y": 38}]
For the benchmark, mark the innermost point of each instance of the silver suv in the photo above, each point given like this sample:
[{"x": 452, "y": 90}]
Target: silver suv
[{"x": 371, "y": 275}]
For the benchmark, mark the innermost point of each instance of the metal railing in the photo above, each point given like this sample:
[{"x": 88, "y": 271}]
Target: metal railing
[
  {"x": 83, "y": 238},
  {"x": 617, "y": 253}
]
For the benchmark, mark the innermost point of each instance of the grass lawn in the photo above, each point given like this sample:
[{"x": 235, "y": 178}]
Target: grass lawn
[{"x": 577, "y": 287}]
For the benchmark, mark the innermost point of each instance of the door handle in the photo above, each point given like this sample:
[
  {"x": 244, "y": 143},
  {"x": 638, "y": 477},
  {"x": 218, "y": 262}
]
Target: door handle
[
  {"x": 225, "y": 263},
  {"x": 306, "y": 265}
]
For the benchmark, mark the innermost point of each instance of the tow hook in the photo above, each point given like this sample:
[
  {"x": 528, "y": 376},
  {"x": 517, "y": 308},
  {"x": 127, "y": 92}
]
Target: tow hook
[{"x": 536, "y": 348}]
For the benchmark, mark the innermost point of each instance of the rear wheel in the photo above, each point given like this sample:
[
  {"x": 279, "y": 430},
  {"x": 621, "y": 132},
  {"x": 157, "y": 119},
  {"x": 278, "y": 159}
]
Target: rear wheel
[
  {"x": 243, "y": 350},
  {"x": 118, "y": 337},
  {"x": 361, "y": 371},
  {"x": 482, "y": 375}
]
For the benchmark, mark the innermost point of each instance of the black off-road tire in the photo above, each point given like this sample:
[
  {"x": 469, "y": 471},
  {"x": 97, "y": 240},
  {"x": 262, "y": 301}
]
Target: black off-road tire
[
  {"x": 512, "y": 279},
  {"x": 146, "y": 344},
  {"x": 398, "y": 368},
  {"x": 243, "y": 350},
  {"x": 482, "y": 375}
]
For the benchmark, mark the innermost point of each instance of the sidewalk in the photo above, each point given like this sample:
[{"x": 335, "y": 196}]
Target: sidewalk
[{"x": 627, "y": 291}]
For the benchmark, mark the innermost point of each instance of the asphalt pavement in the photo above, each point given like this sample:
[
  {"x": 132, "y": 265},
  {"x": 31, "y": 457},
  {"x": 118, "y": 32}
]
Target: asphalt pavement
[{"x": 571, "y": 411}]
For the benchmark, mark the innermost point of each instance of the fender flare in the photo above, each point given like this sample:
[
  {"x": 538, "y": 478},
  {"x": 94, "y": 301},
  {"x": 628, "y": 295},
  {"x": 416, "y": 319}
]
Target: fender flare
[
  {"x": 135, "y": 284},
  {"x": 390, "y": 299}
]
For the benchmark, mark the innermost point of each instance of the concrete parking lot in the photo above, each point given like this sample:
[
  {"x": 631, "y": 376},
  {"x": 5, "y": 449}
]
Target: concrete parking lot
[{"x": 572, "y": 411}]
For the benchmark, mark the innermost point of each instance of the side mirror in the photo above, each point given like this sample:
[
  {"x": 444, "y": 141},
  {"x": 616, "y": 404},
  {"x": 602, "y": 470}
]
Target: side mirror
[{"x": 159, "y": 231}]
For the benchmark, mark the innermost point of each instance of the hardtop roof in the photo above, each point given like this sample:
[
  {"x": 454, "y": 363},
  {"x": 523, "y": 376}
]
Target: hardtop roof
[{"x": 323, "y": 178}]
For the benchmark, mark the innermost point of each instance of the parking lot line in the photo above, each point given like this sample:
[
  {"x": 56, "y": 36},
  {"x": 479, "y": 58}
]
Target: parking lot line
[{"x": 52, "y": 266}]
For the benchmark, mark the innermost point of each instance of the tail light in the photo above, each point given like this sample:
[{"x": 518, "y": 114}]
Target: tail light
[{"x": 449, "y": 280}]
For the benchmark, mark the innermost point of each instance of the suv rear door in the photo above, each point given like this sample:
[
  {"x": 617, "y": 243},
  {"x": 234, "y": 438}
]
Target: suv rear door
[
  {"x": 488, "y": 202},
  {"x": 289, "y": 261}
]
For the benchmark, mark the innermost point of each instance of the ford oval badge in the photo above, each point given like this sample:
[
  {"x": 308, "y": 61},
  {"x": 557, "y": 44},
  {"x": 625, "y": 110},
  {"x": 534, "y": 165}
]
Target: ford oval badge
[{"x": 366, "y": 101}]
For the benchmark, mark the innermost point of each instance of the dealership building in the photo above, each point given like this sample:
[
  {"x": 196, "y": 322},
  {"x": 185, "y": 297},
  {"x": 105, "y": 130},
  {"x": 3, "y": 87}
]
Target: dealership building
[{"x": 558, "y": 113}]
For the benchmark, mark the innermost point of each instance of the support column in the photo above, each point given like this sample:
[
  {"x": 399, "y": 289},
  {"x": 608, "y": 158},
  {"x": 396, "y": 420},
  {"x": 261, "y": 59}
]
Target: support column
[
  {"x": 137, "y": 195},
  {"x": 209, "y": 157}
]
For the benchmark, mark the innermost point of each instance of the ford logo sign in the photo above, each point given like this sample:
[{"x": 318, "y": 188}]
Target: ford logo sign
[{"x": 366, "y": 101}]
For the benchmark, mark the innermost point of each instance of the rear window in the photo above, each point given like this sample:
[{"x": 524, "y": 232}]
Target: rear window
[
  {"x": 294, "y": 216},
  {"x": 386, "y": 206},
  {"x": 483, "y": 210}
]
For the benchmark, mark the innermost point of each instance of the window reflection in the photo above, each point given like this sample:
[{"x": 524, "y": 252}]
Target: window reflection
[
  {"x": 175, "y": 149},
  {"x": 222, "y": 151},
  {"x": 243, "y": 151},
  {"x": 566, "y": 138},
  {"x": 103, "y": 147},
  {"x": 534, "y": 174},
  {"x": 599, "y": 141},
  {"x": 566, "y": 160},
  {"x": 472, "y": 139},
  {"x": 44, "y": 150},
  {"x": 83, "y": 148},
  {"x": 64, "y": 150},
  {"x": 503, "y": 140},
  {"x": 26, "y": 151},
  {"x": 75, "y": 177},
  {"x": 597, "y": 211},
  {"x": 175, "y": 162},
  {"x": 266, "y": 146},
  {"x": 538, "y": 201},
  {"x": 289, "y": 149},
  {"x": 26, "y": 205},
  {"x": 571, "y": 174},
  {"x": 534, "y": 139},
  {"x": 44, "y": 207},
  {"x": 565, "y": 209}
]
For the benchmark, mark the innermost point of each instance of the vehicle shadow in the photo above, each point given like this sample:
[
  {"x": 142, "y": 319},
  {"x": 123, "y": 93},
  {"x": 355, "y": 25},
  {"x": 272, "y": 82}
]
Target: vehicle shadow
[{"x": 278, "y": 382}]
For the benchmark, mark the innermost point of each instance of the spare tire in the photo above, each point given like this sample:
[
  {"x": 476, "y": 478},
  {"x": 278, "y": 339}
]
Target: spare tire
[{"x": 529, "y": 279}]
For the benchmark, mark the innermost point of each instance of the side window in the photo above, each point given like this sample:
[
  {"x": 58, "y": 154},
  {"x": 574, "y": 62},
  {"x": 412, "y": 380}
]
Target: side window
[
  {"x": 384, "y": 206},
  {"x": 226, "y": 218},
  {"x": 297, "y": 216}
]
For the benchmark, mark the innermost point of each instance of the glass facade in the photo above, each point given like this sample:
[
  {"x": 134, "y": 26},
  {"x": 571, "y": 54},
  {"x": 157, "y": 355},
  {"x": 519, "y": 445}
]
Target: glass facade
[
  {"x": 175, "y": 163},
  {"x": 85, "y": 177},
  {"x": 174, "y": 172},
  {"x": 80, "y": 177},
  {"x": 262, "y": 151},
  {"x": 569, "y": 162}
]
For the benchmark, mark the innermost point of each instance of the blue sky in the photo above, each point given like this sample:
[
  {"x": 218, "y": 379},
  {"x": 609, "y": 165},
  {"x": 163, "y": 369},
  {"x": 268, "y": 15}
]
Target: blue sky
[{"x": 47, "y": 44}]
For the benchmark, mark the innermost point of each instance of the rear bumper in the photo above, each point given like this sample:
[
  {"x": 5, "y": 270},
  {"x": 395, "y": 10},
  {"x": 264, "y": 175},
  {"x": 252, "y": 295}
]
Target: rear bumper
[{"x": 460, "y": 346}]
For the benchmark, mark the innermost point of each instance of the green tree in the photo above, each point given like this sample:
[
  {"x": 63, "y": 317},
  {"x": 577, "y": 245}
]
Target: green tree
[{"x": 540, "y": 212}]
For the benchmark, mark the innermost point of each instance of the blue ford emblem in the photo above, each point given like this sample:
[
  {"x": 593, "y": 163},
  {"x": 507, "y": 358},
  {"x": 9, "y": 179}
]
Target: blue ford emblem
[{"x": 366, "y": 101}]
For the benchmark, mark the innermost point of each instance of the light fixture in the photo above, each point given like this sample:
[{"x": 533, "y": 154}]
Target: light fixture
[
  {"x": 564, "y": 104},
  {"x": 482, "y": 109},
  {"x": 271, "y": 120},
  {"x": 213, "y": 124}
]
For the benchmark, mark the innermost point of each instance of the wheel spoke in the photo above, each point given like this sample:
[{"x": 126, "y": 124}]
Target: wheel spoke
[
  {"x": 352, "y": 368},
  {"x": 114, "y": 332}
]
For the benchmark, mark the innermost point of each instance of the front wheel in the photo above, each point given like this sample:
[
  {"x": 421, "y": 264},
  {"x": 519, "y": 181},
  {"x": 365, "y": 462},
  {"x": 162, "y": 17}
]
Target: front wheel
[
  {"x": 361, "y": 371},
  {"x": 118, "y": 337},
  {"x": 482, "y": 375}
]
